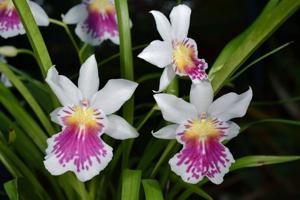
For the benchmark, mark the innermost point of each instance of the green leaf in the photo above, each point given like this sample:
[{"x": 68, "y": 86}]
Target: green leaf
[
  {"x": 34, "y": 35},
  {"x": 27, "y": 96},
  {"x": 272, "y": 17},
  {"x": 126, "y": 62},
  {"x": 258, "y": 60},
  {"x": 24, "y": 119},
  {"x": 131, "y": 181},
  {"x": 152, "y": 189},
  {"x": 21, "y": 169},
  {"x": 256, "y": 161},
  {"x": 20, "y": 189},
  {"x": 11, "y": 189}
]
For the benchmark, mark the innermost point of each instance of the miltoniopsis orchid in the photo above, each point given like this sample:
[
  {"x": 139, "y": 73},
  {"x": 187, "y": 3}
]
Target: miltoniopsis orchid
[
  {"x": 177, "y": 53},
  {"x": 10, "y": 22},
  {"x": 86, "y": 114},
  {"x": 96, "y": 21},
  {"x": 201, "y": 126}
]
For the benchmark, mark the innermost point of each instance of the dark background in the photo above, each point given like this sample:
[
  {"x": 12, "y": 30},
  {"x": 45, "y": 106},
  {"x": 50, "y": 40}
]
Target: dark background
[{"x": 213, "y": 24}]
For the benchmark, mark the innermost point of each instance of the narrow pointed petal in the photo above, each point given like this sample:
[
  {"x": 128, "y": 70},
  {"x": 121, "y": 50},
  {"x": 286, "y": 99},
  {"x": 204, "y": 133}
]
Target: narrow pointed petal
[
  {"x": 230, "y": 105},
  {"x": 39, "y": 14},
  {"x": 201, "y": 96},
  {"x": 167, "y": 132},
  {"x": 78, "y": 147},
  {"x": 54, "y": 116},
  {"x": 10, "y": 23},
  {"x": 174, "y": 109},
  {"x": 157, "y": 53},
  {"x": 119, "y": 128},
  {"x": 113, "y": 95},
  {"x": 88, "y": 81},
  {"x": 66, "y": 92},
  {"x": 166, "y": 78},
  {"x": 163, "y": 25},
  {"x": 76, "y": 14},
  {"x": 180, "y": 21},
  {"x": 232, "y": 131}
]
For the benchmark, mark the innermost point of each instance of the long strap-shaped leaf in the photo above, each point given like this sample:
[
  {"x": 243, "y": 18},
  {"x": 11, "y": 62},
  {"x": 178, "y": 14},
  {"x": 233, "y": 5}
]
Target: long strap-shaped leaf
[
  {"x": 152, "y": 189},
  {"x": 27, "y": 96},
  {"x": 265, "y": 25},
  {"x": 126, "y": 68},
  {"x": 34, "y": 131},
  {"x": 131, "y": 181},
  {"x": 34, "y": 35}
]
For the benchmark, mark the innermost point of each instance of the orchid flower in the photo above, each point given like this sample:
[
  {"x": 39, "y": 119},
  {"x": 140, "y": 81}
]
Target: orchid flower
[
  {"x": 10, "y": 22},
  {"x": 86, "y": 114},
  {"x": 96, "y": 21},
  {"x": 177, "y": 53},
  {"x": 201, "y": 126}
]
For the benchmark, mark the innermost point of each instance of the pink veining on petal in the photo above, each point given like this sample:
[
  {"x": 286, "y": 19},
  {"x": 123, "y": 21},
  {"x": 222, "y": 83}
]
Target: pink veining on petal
[
  {"x": 80, "y": 140},
  {"x": 9, "y": 19},
  {"x": 202, "y": 154},
  {"x": 186, "y": 61},
  {"x": 99, "y": 23}
]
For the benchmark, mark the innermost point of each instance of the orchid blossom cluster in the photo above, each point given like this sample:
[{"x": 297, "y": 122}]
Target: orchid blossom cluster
[
  {"x": 87, "y": 113},
  {"x": 201, "y": 125}
]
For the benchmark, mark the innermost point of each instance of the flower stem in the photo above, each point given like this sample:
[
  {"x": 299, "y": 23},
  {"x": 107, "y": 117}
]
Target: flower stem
[{"x": 65, "y": 26}]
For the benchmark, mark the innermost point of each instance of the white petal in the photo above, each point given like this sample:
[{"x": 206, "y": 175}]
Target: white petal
[
  {"x": 166, "y": 78},
  {"x": 157, "y": 53},
  {"x": 201, "y": 95},
  {"x": 167, "y": 132},
  {"x": 119, "y": 128},
  {"x": 231, "y": 132},
  {"x": 174, "y": 109},
  {"x": 180, "y": 21},
  {"x": 5, "y": 80},
  {"x": 87, "y": 35},
  {"x": 54, "y": 115},
  {"x": 88, "y": 81},
  {"x": 224, "y": 169},
  {"x": 76, "y": 14},
  {"x": 163, "y": 25},
  {"x": 66, "y": 92},
  {"x": 113, "y": 95},
  {"x": 39, "y": 14},
  {"x": 230, "y": 105}
]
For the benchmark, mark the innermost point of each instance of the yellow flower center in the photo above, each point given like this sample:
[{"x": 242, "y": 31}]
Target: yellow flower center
[
  {"x": 201, "y": 129},
  {"x": 182, "y": 56},
  {"x": 6, "y": 4},
  {"x": 101, "y": 5},
  {"x": 82, "y": 117}
]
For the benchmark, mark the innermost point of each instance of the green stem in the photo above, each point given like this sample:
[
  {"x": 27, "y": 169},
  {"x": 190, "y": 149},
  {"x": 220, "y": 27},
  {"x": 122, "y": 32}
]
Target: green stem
[
  {"x": 65, "y": 26},
  {"x": 34, "y": 36},
  {"x": 26, "y": 51},
  {"x": 283, "y": 121},
  {"x": 145, "y": 119},
  {"x": 126, "y": 61}
]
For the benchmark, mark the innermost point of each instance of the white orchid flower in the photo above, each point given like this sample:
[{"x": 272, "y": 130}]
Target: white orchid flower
[
  {"x": 177, "y": 53},
  {"x": 96, "y": 21},
  {"x": 86, "y": 114},
  {"x": 10, "y": 22},
  {"x": 201, "y": 126}
]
